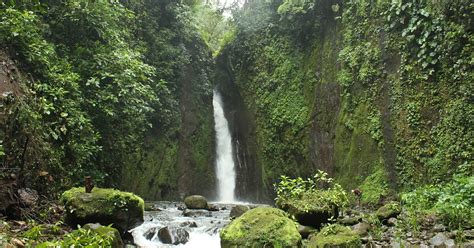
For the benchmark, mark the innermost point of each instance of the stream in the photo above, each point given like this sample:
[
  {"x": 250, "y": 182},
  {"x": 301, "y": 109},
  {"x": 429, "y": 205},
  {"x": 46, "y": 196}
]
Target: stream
[{"x": 172, "y": 215}]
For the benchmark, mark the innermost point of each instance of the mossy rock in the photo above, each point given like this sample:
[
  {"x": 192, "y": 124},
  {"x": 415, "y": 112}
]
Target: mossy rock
[
  {"x": 335, "y": 236},
  {"x": 107, "y": 231},
  {"x": 195, "y": 202},
  {"x": 310, "y": 209},
  {"x": 389, "y": 210},
  {"x": 261, "y": 227},
  {"x": 105, "y": 206}
]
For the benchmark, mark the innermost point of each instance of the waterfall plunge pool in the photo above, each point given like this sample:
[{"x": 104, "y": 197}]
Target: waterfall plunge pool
[{"x": 172, "y": 215}]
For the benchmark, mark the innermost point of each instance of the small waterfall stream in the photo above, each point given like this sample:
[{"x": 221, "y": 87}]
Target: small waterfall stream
[
  {"x": 225, "y": 171},
  {"x": 206, "y": 224}
]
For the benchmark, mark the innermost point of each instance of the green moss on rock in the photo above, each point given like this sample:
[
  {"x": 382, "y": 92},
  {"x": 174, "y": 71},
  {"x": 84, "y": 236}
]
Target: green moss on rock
[
  {"x": 105, "y": 206},
  {"x": 389, "y": 210},
  {"x": 311, "y": 208},
  {"x": 261, "y": 227},
  {"x": 335, "y": 236},
  {"x": 195, "y": 202}
]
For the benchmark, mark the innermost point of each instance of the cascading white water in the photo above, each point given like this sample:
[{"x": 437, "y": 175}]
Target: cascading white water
[{"x": 225, "y": 170}]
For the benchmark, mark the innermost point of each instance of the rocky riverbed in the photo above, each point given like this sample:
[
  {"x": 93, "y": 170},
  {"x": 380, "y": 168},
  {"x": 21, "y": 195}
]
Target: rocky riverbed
[{"x": 171, "y": 224}]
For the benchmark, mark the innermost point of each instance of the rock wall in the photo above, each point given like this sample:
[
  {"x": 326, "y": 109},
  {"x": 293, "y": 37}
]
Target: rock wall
[
  {"x": 338, "y": 88},
  {"x": 179, "y": 161}
]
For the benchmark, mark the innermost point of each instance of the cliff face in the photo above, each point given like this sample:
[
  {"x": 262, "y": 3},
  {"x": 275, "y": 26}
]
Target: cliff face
[
  {"x": 180, "y": 161},
  {"x": 243, "y": 130},
  {"x": 351, "y": 89}
]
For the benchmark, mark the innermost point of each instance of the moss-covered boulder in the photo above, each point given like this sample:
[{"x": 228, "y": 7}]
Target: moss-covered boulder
[
  {"x": 261, "y": 227},
  {"x": 389, "y": 210},
  {"x": 238, "y": 210},
  {"x": 105, "y": 206},
  {"x": 106, "y": 231},
  {"x": 335, "y": 236},
  {"x": 195, "y": 202},
  {"x": 310, "y": 208}
]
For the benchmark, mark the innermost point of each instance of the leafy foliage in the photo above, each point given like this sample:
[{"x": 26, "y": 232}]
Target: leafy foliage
[
  {"x": 321, "y": 189},
  {"x": 81, "y": 238},
  {"x": 453, "y": 201},
  {"x": 101, "y": 77}
]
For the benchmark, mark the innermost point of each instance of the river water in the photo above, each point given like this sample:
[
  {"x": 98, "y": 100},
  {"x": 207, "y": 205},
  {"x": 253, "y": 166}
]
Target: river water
[{"x": 205, "y": 234}]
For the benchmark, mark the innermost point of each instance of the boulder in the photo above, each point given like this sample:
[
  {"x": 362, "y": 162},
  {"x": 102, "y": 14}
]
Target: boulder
[
  {"x": 211, "y": 207},
  {"x": 261, "y": 227},
  {"x": 195, "y": 202},
  {"x": 180, "y": 236},
  {"x": 165, "y": 236},
  {"x": 389, "y": 210},
  {"x": 361, "y": 228},
  {"x": 238, "y": 210},
  {"x": 309, "y": 211},
  {"x": 106, "y": 231},
  {"x": 335, "y": 236},
  {"x": 105, "y": 206},
  {"x": 173, "y": 236}
]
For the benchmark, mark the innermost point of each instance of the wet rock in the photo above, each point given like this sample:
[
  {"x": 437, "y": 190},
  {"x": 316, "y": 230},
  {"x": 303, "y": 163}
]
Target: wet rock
[
  {"x": 238, "y": 210},
  {"x": 392, "y": 221},
  {"x": 150, "y": 233},
  {"x": 211, "y": 207},
  {"x": 180, "y": 236},
  {"x": 361, "y": 228},
  {"x": 195, "y": 202},
  {"x": 173, "y": 236},
  {"x": 261, "y": 227},
  {"x": 305, "y": 231},
  {"x": 164, "y": 234},
  {"x": 188, "y": 224},
  {"x": 438, "y": 240}
]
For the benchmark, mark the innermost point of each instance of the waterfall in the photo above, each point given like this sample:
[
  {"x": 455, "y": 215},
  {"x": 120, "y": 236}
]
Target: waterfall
[{"x": 225, "y": 171}]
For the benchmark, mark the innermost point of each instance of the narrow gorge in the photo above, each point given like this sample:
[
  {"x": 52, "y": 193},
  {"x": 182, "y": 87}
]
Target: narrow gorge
[{"x": 243, "y": 123}]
